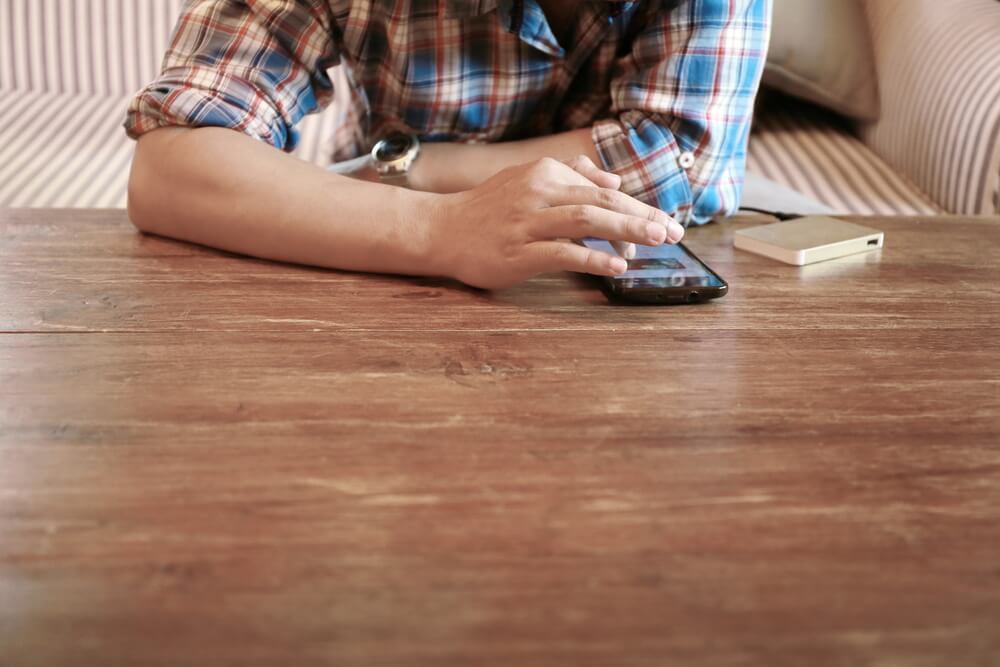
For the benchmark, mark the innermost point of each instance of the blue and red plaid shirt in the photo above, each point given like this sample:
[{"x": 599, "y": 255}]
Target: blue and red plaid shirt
[{"x": 667, "y": 87}]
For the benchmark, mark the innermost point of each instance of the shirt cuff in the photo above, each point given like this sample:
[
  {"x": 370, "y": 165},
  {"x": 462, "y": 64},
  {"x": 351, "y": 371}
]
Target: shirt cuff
[
  {"x": 651, "y": 164},
  {"x": 202, "y": 97}
]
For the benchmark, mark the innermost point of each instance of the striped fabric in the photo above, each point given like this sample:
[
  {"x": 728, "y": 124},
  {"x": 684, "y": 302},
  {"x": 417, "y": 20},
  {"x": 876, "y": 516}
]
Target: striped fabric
[
  {"x": 68, "y": 69},
  {"x": 818, "y": 155},
  {"x": 939, "y": 72},
  {"x": 69, "y": 151},
  {"x": 62, "y": 150},
  {"x": 83, "y": 47}
]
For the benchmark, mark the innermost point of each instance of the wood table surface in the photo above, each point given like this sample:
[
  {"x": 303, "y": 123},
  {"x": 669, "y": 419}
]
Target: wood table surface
[{"x": 213, "y": 460}]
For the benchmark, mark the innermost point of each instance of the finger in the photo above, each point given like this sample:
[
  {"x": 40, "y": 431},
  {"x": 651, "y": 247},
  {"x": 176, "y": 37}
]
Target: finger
[
  {"x": 554, "y": 172},
  {"x": 624, "y": 248},
  {"x": 584, "y": 166},
  {"x": 613, "y": 200},
  {"x": 579, "y": 221},
  {"x": 546, "y": 256}
]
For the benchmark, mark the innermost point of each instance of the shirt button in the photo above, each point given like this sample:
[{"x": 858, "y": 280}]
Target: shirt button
[{"x": 686, "y": 160}]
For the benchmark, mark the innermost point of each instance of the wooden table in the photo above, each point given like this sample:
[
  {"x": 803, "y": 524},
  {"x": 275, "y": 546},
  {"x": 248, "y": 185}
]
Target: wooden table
[{"x": 210, "y": 460}]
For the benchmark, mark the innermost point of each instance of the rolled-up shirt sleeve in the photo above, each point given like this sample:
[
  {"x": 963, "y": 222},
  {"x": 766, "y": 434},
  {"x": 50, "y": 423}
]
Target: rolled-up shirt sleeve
[
  {"x": 255, "y": 66},
  {"x": 683, "y": 102}
]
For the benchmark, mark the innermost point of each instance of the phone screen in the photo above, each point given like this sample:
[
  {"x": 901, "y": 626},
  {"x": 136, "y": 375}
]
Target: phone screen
[{"x": 661, "y": 267}]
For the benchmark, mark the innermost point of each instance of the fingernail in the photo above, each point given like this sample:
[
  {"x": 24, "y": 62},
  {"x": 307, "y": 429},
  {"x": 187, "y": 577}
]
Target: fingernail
[
  {"x": 656, "y": 232},
  {"x": 618, "y": 265},
  {"x": 630, "y": 251},
  {"x": 675, "y": 232}
]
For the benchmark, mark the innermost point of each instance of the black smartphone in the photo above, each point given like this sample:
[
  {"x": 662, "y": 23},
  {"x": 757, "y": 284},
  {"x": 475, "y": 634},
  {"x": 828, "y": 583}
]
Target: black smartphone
[{"x": 664, "y": 274}]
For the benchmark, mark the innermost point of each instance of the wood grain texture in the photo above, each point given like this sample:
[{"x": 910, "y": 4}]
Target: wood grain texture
[{"x": 210, "y": 460}]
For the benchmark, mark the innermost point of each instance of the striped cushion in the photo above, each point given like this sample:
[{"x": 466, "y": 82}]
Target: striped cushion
[
  {"x": 67, "y": 71},
  {"x": 70, "y": 151},
  {"x": 62, "y": 151},
  {"x": 80, "y": 47},
  {"x": 815, "y": 153},
  {"x": 939, "y": 71}
]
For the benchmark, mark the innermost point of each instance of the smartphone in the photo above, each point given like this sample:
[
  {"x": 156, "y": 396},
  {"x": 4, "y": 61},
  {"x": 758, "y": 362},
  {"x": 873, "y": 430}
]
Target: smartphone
[{"x": 665, "y": 274}]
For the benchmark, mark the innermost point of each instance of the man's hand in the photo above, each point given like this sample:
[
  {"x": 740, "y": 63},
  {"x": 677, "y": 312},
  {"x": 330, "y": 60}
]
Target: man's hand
[
  {"x": 514, "y": 225},
  {"x": 584, "y": 166},
  {"x": 581, "y": 164}
]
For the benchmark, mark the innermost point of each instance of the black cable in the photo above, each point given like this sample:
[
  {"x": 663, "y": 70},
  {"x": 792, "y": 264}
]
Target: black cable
[{"x": 779, "y": 215}]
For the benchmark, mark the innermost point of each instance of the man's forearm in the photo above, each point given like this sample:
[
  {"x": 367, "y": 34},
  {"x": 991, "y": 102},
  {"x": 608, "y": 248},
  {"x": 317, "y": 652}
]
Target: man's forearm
[
  {"x": 220, "y": 188},
  {"x": 448, "y": 167}
]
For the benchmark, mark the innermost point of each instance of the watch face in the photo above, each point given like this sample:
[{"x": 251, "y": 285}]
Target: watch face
[{"x": 393, "y": 147}]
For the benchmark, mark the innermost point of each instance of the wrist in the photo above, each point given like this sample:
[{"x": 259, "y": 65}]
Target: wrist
[{"x": 438, "y": 243}]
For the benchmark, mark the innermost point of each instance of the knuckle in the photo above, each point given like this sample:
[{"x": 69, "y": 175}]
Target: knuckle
[
  {"x": 548, "y": 163},
  {"x": 581, "y": 213},
  {"x": 634, "y": 228},
  {"x": 629, "y": 228},
  {"x": 608, "y": 198},
  {"x": 561, "y": 254},
  {"x": 593, "y": 261},
  {"x": 536, "y": 167},
  {"x": 535, "y": 187},
  {"x": 510, "y": 251}
]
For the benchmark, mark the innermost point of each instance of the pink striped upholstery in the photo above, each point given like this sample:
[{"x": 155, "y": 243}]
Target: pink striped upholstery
[
  {"x": 67, "y": 71},
  {"x": 69, "y": 151},
  {"x": 83, "y": 47},
  {"x": 939, "y": 72},
  {"x": 62, "y": 150},
  {"x": 817, "y": 154}
]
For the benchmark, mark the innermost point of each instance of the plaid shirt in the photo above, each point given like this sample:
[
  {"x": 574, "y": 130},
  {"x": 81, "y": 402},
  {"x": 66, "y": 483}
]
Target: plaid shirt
[{"x": 668, "y": 92}]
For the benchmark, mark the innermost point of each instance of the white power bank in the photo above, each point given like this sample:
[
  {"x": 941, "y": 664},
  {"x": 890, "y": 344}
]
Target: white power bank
[{"x": 808, "y": 240}]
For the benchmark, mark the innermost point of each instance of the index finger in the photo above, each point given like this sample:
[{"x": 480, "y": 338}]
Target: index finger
[
  {"x": 584, "y": 166},
  {"x": 613, "y": 200}
]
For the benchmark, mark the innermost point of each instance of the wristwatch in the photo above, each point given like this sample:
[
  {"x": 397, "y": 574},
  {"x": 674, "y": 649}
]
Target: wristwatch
[{"x": 394, "y": 155}]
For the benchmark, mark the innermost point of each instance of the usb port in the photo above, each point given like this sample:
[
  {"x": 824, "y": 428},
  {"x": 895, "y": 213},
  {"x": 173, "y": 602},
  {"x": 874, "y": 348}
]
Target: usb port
[{"x": 873, "y": 242}]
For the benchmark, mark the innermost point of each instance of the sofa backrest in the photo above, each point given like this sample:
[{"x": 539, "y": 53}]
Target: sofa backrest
[
  {"x": 85, "y": 47},
  {"x": 939, "y": 74}
]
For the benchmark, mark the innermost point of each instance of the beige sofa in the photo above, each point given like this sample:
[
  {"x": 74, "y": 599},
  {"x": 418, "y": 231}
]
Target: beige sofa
[{"x": 69, "y": 67}]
